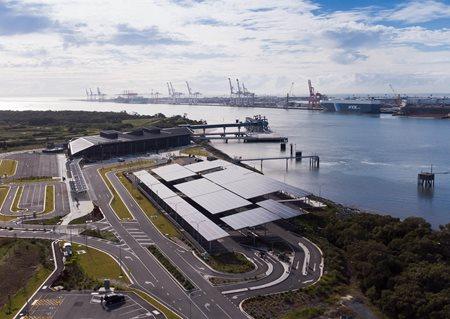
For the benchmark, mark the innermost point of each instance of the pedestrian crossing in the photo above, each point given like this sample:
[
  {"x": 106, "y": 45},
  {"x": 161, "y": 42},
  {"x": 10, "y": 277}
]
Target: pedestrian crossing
[{"x": 140, "y": 236}]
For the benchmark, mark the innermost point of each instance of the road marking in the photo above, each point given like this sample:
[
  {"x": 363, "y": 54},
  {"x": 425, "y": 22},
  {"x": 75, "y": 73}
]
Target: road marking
[
  {"x": 207, "y": 306},
  {"x": 150, "y": 283},
  {"x": 307, "y": 281}
]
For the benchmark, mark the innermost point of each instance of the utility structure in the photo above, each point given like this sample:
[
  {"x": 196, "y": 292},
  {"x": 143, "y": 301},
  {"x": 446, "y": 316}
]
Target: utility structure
[
  {"x": 289, "y": 94},
  {"x": 426, "y": 179},
  {"x": 314, "y": 97},
  {"x": 249, "y": 97},
  {"x": 154, "y": 96}
]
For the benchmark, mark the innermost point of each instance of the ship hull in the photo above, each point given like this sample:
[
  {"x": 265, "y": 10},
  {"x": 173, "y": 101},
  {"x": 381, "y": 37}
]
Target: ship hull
[{"x": 352, "y": 107}]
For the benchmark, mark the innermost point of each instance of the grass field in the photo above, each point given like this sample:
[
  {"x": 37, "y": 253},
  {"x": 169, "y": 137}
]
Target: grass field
[
  {"x": 49, "y": 199},
  {"x": 98, "y": 265},
  {"x": 195, "y": 150},
  {"x": 155, "y": 216},
  {"x": 117, "y": 204},
  {"x": 7, "y": 167},
  {"x": 15, "y": 205},
  {"x": 24, "y": 265},
  {"x": 3, "y": 193},
  {"x": 230, "y": 262}
]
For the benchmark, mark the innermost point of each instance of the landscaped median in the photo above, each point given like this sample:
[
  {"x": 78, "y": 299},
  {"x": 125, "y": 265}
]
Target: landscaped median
[
  {"x": 4, "y": 190},
  {"x": 15, "y": 206},
  {"x": 155, "y": 303},
  {"x": 49, "y": 199},
  {"x": 171, "y": 268},
  {"x": 156, "y": 217},
  {"x": 7, "y": 167},
  {"x": 117, "y": 203}
]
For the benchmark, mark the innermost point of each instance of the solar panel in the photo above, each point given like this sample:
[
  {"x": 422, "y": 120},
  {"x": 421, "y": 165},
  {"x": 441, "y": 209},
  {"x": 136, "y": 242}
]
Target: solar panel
[
  {"x": 206, "y": 165},
  {"x": 203, "y": 225},
  {"x": 279, "y": 209},
  {"x": 253, "y": 186},
  {"x": 146, "y": 178},
  {"x": 220, "y": 201},
  {"x": 230, "y": 174},
  {"x": 250, "y": 218},
  {"x": 172, "y": 172},
  {"x": 197, "y": 187},
  {"x": 78, "y": 183}
]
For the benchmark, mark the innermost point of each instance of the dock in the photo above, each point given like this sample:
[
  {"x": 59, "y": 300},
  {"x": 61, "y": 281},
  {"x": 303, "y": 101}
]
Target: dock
[{"x": 314, "y": 160}]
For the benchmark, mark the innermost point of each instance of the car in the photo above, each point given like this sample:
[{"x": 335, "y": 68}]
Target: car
[
  {"x": 121, "y": 160},
  {"x": 114, "y": 299}
]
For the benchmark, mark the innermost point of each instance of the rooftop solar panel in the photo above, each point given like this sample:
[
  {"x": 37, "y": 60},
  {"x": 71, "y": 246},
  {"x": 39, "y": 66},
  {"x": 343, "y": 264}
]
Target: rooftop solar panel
[
  {"x": 172, "y": 172},
  {"x": 220, "y": 201},
  {"x": 253, "y": 186},
  {"x": 204, "y": 226},
  {"x": 198, "y": 187},
  {"x": 250, "y": 218},
  {"x": 206, "y": 165},
  {"x": 146, "y": 178},
  {"x": 230, "y": 174},
  {"x": 279, "y": 209}
]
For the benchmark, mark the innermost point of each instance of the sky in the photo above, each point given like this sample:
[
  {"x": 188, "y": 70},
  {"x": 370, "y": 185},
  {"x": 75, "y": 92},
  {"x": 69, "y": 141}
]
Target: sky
[{"x": 62, "y": 47}]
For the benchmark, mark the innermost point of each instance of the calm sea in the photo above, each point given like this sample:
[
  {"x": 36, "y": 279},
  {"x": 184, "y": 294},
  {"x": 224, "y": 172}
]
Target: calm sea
[{"x": 369, "y": 162}]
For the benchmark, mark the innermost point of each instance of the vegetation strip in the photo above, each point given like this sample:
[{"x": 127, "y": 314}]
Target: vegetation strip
[
  {"x": 49, "y": 199},
  {"x": 7, "y": 167},
  {"x": 155, "y": 303},
  {"x": 15, "y": 205},
  {"x": 231, "y": 262},
  {"x": 104, "y": 234},
  {"x": 156, "y": 217},
  {"x": 116, "y": 203},
  {"x": 4, "y": 191},
  {"x": 171, "y": 268}
]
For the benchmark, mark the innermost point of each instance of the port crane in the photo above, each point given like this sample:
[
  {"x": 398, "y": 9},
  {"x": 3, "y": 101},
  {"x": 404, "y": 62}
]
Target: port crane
[
  {"x": 100, "y": 95},
  {"x": 232, "y": 94},
  {"x": 314, "y": 97},
  {"x": 239, "y": 92},
  {"x": 398, "y": 99}
]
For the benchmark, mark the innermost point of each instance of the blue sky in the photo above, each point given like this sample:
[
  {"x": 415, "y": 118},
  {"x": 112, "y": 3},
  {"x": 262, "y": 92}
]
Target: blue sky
[{"x": 60, "y": 47}]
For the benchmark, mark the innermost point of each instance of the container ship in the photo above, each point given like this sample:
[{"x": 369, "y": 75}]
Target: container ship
[{"x": 352, "y": 106}]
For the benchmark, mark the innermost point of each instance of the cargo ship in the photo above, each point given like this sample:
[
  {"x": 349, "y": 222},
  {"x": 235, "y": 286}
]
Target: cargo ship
[
  {"x": 426, "y": 107},
  {"x": 352, "y": 106}
]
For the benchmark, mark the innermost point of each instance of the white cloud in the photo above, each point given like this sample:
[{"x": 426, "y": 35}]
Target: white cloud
[
  {"x": 142, "y": 44},
  {"x": 418, "y": 11}
]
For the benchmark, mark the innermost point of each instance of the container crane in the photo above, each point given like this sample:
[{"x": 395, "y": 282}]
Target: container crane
[
  {"x": 314, "y": 97},
  {"x": 398, "y": 99},
  {"x": 231, "y": 92},
  {"x": 239, "y": 92}
]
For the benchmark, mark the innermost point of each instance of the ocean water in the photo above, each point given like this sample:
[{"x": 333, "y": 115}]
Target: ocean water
[{"x": 367, "y": 161}]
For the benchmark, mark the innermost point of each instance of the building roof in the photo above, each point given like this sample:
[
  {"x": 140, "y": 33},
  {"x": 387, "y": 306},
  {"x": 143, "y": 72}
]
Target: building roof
[
  {"x": 207, "y": 165},
  {"x": 220, "y": 201},
  {"x": 198, "y": 187},
  {"x": 85, "y": 142},
  {"x": 279, "y": 209}
]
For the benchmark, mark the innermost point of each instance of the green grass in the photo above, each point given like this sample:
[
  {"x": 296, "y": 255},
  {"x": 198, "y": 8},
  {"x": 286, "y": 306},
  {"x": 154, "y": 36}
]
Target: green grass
[
  {"x": 155, "y": 216},
  {"x": 19, "y": 299},
  {"x": 230, "y": 262},
  {"x": 7, "y": 167},
  {"x": 32, "y": 179},
  {"x": 171, "y": 268},
  {"x": 166, "y": 311},
  {"x": 117, "y": 204},
  {"x": 15, "y": 205},
  {"x": 49, "y": 199},
  {"x": 98, "y": 265},
  {"x": 195, "y": 150}
]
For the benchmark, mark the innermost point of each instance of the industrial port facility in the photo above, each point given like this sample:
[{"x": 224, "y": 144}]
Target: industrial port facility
[{"x": 240, "y": 96}]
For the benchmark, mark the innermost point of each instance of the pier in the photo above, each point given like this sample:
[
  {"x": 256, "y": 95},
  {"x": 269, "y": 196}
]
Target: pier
[
  {"x": 426, "y": 179},
  {"x": 314, "y": 160}
]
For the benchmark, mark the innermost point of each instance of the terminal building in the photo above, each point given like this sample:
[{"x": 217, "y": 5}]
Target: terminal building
[{"x": 112, "y": 143}]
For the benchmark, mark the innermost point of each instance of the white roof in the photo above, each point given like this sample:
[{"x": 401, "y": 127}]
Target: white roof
[
  {"x": 172, "y": 172},
  {"x": 161, "y": 190},
  {"x": 78, "y": 145},
  {"x": 203, "y": 225},
  {"x": 253, "y": 186},
  {"x": 207, "y": 165},
  {"x": 198, "y": 187},
  {"x": 250, "y": 218},
  {"x": 279, "y": 209},
  {"x": 220, "y": 201}
]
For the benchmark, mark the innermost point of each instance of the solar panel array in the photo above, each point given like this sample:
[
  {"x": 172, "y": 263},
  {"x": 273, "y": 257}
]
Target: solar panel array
[
  {"x": 203, "y": 225},
  {"x": 198, "y": 187},
  {"x": 207, "y": 165},
  {"x": 279, "y": 209},
  {"x": 230, "y": 174},
  {"x": 78, "y": 184},
  {"x": 173, "y": 172},
  {"x": 250, "y": 218}
]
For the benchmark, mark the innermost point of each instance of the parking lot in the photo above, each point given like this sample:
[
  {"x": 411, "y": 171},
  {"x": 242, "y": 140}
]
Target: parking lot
[
  {"x": 68, "y": 305},
  {"x": 35, "y": 164}
]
